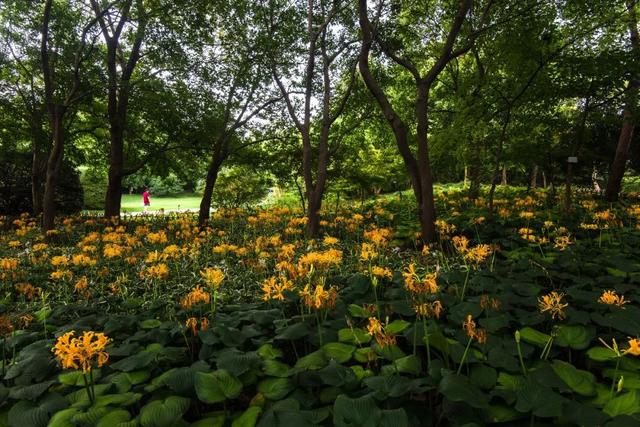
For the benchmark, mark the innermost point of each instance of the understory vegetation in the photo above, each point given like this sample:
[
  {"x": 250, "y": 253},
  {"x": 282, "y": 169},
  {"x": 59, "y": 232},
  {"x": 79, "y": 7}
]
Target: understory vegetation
[{"x": 152, "y": 321}]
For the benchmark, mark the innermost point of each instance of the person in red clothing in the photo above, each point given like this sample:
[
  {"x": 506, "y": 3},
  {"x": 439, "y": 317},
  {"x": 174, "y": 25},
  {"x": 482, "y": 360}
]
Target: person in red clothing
[{"x": 145, "y": 199}]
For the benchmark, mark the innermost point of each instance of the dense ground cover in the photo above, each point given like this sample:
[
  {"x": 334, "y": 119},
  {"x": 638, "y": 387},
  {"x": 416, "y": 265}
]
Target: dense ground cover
[{"x": 528, "y": 317}]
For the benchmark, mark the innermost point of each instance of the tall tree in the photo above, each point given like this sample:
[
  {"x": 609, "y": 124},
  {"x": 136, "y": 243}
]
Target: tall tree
[
  {"x": 231, "y": 73},
  {"x": 19, "y": 32},
  {"x": 432, "y": 59},
  {"x": 328, "y": 80},
  {"x": 129, "y": 18},
  {"x": 62, "y": 76},
  {"x": 629, "y": 115}
]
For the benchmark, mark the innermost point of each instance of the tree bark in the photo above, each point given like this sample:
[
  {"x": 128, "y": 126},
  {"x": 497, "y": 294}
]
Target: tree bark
[
  {"x": 113, "y": 197},
  {"x": 474, "y": 171},
  {"x": 534, "y": 178},
  {"x": 503, "y": 181},
  {"x": 618, "y": 166},
  {"x": 567, "y": 188},
  {"x": 207, "y": 196},
  {"x": 53, "y": 170},
  {"x": 38, "y": 163}
]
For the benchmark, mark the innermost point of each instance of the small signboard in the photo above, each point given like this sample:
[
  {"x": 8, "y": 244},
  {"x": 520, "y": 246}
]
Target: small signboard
[{"x": 572, "y": 159}]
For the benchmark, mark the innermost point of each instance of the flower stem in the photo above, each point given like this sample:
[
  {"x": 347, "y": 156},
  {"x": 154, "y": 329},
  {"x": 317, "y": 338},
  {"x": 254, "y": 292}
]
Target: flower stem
[
  {"x": 464, "y": 355},
  {"x": 464, "y": 287},
  {"x": 615, "y": 375}
]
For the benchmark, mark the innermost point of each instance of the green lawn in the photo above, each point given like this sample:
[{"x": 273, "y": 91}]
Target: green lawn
[{"x": 133, "y": 202}]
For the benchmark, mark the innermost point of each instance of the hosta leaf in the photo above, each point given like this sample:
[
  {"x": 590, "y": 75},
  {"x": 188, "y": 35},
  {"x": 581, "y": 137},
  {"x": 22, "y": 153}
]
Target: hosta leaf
[
  {"x": 457, "y": 388},
  {"x": 63, "y": 418},
  {"x": 275, "y": 388},
  {"x": 336, "y": 374},
  {"x": 150, "y": 324},
  {"x": 91, "y": 416},
  {"x": 581, "y": 382},
  {"x": 397, "y": 326},
  {"x": 389, "y": 386},
  {"x": 575, "y": 336},
  {"x": 539, "y": 399},
  {"x": 29, "y": 414},
  {"x": 29, "y": 392},
  {"x": 339, "y": 351},
  {"x": 354, "y": 336},
  {"x": 625, "y": 404},
  {"x": 532, "y": 336},
  {"x": 294, "y": 332},
  {"x": 75, "y": 378},
  {"x": 408, "y": 365},
  {"x": 214, "y": 387},
  {"x": 483, "y": 376},
  {"x": 393, "y": 418},
  {"x": 249, "y": 418},
  {"x": 268, "y": 351},
  {"x": 114, "y": 418},
  {"x": 237, "y": 362},
  {"x": 312, "y": 361},
  {"x": 164, "y": 413},
  {"x": 360, "y": 412},
  {"x": 358, "y": 311},
  {"x": 601, "y": 354},
  {"x": 275, "y": 368}
]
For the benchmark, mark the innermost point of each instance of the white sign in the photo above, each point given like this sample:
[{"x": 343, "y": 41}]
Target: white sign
[{"x": 572, "y": 160}]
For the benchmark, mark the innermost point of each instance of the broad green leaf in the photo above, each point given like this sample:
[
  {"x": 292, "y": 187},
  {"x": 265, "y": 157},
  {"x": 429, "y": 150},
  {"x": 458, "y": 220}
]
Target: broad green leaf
[
  {"x": 214, "y": 387},
  {"x": 532, "y": 336},
  {"x": 276, "y": 368},
  {"x": 575, "y": 336},
  {"x": 397, "y": 326},
  {"x": 408, "y": 365},
  {"x": 361, "y": 412},
  {"x": 164, "y": 413},
  {"x": 338, "y": 351},
  {"x": 356, "y": 336},
  {"x": 268, "y": 351},
  {"x": 275, "y": 388},
  {"x": 581, "y": 382},
  {"x": 625, "y": 404},
  {"x": 601, "y": 354},
  {"x": 312, "y": 361},
  {"x": 249, "y": 418},
  {"x": 457, "y": 388}
]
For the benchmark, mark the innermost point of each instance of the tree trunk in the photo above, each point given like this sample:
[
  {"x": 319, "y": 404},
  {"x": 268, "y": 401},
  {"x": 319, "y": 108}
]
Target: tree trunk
[
  {"x": 36, "y": 183},
  {"x": 474, "y": 171},
  {"x": 544, "y": 180},
  {"x": 301, "y": 196},
  {"x": 622, "y": 150},
  {"x": 534, "y": 177},
  {"x": 427, "y": 210},
  {"x": 313, "y": 215},
  {"x": 626, "y": 134},
  {"x": 53, "y": 172},
  {"x": 503, "y": 181},
  {"x": 594, "y": 181},
  {"x": 567, "y": 188},
  {"x": 207, "y": 195},
  {"x": 113, "y": 197}
]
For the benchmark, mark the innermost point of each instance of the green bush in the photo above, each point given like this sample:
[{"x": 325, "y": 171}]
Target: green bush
[
  {"x": 240, "y": 186},
  {"x": 15, "y": 186},
  {"x": 94, "y": 182}
]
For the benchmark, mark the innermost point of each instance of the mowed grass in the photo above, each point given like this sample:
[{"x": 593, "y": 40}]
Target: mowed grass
[{"x": 133, "y": 203}]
